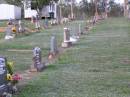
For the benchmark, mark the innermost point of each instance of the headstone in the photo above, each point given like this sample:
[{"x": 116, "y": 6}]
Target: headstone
[
  {"x": 3, "y": 73},
  {"x": 21, "y": 28},
  {"x": 66, "y": 42},
  {"x": 46, "y": 24},
  {"x": 53, "y": 46},
  {"x": 10, "y": 22},
  {"x": 33, "y": 19},
  {"x": 80, "y": 31},
  {"x": 94, "y": 20},
  {"x": 37, "y": 59},
  {"x": 37, "y": 22},
  {"x": 9, "y": 33},
  {"x": 79, "y": 28}
]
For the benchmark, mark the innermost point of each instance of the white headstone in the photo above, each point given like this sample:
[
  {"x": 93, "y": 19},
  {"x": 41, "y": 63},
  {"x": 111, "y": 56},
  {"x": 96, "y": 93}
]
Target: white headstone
[
  {"x": 9, "y": 33},
  {"x": 66, "y": 42}
]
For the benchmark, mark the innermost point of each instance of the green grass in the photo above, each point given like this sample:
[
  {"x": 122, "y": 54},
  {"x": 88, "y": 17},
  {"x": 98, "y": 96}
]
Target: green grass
[
  {"x": 3, "y": 23},
  {"x": 23, "y": 60},
  {"x": 95, "y": 67}
]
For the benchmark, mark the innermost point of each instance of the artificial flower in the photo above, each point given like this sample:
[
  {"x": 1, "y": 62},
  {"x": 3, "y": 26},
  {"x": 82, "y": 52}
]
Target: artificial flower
[{"x": 9, "y": 77}]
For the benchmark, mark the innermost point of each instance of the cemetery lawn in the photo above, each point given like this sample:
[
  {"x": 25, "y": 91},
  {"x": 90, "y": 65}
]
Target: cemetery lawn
[{"x": 97, "y": 66}]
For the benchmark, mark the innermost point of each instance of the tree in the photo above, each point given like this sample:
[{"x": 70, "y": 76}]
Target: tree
[
  {"x": 115, "y": 9},
  {"x": 61, "y": 4},
  {"x": 36, "y": 4},
  {"x": 87, "y": 8},
  {"x": 14, "y": 2},
  {"x": 125, "y": 8}
]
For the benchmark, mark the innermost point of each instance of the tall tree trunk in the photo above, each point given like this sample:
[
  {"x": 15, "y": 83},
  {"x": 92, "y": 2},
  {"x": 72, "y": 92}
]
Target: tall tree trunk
[
  {"x": 106, "y": 9},
  {"x": 96, "y": 10},
  {"x": 125, "y": 8},
  {"x": 72, "y": 14},
  {"x": 60, "y": 13}
]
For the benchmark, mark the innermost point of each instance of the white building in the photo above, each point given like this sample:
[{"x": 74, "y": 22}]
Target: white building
[
  {"x": 9, "y": 12},
  {"x": 46, "y": 10}
]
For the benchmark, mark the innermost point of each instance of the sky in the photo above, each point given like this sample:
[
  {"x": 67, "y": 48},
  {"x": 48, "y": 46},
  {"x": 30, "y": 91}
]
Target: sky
[{"x": 118, "y": 1}]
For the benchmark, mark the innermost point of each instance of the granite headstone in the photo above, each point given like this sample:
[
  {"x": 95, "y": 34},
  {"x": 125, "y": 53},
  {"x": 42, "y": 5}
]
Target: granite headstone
[
  {"x": 3, "y": 73},
  {"x": 37, "y": 59},
  {"x": 53, "y": 45}
]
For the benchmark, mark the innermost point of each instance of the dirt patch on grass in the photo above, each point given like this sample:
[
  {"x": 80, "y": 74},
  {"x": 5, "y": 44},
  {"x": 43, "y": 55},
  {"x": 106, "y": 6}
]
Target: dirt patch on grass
[
  {"x": 18, "y": 50},
  {"x": 2, "y": 29},
  {"x": 125, "y": 61}
]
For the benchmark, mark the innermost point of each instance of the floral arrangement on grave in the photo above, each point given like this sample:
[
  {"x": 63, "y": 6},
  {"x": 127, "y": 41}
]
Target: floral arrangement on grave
[
  {"x": 11, "y": 77},
  {"x": 14, "y": 29}
]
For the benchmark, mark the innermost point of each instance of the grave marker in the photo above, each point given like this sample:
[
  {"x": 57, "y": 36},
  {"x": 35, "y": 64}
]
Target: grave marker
[
  {"x": 66, "y": 42},
  {"x": 53, "y": 47},
  {"x": 8, "y": 32},
  {"x": 37, "y": 22},
  {"x": 79, "y": 28},
  {"x": 46, "y": 23},
  {"x": 20, "y": 25},
  {"x": 3, "y": 73},
  {"x": 37, "y": 59}
]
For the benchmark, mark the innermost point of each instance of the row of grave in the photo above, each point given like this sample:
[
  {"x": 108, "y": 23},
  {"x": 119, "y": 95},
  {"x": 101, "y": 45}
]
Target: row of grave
[
  {"x": 15, "y": 27},
  {"x": 38, "y": 65}
]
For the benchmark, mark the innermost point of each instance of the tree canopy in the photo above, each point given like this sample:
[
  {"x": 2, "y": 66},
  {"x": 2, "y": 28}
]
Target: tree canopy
[
  {"x": 14, "y": 2},
  {"x": 35, "y": 3}
]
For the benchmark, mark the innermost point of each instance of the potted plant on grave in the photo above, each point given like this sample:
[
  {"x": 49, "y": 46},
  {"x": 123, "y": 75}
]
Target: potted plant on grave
[{"x": 12, "y": 78}]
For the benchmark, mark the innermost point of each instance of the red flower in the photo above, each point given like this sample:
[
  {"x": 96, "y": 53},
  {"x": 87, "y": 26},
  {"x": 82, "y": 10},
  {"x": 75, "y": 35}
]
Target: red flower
[{"x": 16, "y": 77}]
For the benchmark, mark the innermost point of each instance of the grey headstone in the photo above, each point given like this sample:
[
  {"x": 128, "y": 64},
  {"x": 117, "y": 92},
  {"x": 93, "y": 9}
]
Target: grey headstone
[
  {"x": 79, "y": 28},
  {"x": 46, "y": 22},
  {"x": 3, "y": 73},
  {"x": 20, "y": 25},
  {"x": 37, "y": 59},
  {"x": 53, "y": 45},
  {"x": 37, "y": 22},
  {"x": 9, "y": 31}
]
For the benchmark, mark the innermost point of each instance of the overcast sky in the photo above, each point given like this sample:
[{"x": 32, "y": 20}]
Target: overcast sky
[{"x": 118, "y": 1}]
